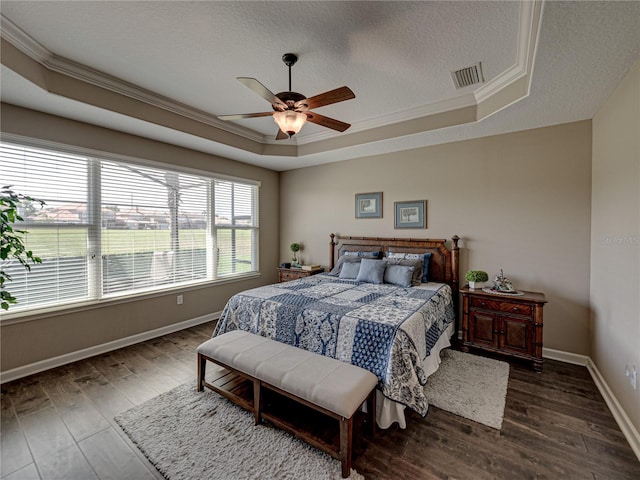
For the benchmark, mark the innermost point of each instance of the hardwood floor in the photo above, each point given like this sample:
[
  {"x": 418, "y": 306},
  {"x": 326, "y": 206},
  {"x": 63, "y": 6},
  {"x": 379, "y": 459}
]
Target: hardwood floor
[{"x": 59, "y": 424}]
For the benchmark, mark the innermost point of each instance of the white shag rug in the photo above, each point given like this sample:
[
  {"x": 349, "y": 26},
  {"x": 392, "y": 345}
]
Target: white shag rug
[
  {"x": 470, "y": 386},
  {"x": 192, "y": 435}
]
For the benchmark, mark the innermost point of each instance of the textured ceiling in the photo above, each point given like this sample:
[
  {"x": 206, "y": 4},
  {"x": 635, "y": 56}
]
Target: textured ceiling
[{"x": 396, "y": 56}]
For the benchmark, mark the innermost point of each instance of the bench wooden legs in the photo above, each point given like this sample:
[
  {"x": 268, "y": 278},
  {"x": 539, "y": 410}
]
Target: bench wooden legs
[
  {"x": 257, "y": 400},
  {"x": 346, "y": 436},
  {"x": 371, "y": 412},
  {"x": 346, "y": 433},
  {"x": 257, "y": 407},
  {"x": 202, "y": 366}
]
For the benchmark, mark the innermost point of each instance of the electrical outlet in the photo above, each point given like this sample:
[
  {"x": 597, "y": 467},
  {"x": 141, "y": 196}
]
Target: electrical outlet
[
  {"x": 632, "y": 372},
  {"x": 179, "y": 299}
]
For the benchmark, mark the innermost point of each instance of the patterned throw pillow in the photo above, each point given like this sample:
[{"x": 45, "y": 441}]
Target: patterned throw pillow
[
  {"x": 361, "y": 254},
  {"x": 425, "y": 257}
]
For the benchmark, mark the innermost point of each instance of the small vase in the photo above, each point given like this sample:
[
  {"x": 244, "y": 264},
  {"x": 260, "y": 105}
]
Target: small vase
[{"x": 477, "y": 285}]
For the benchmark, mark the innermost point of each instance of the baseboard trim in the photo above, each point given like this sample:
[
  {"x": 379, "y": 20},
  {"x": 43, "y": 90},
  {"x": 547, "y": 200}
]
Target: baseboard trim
[
  {"x": 622, "y": 419},
  {"x": 624, "y": 422},
  {"x": 566, "y": 357},
  {"x": 37, "y": 367}
]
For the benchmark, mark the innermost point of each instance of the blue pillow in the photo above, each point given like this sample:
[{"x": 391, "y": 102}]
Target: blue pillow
[
  {"x": 416, "y": 279},
  {"x": 425, "y": 267},
  {"x": 343, "y": 259},
  {"x": 425, "y": 257},
  {"x": 371, "y": 271},
  {"x": 349, "y": 270},
  {"x": 399, "y": 275}
]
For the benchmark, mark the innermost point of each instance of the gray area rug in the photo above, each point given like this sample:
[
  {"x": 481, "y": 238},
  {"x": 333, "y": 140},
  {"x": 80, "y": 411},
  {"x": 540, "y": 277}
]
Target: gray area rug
[
  {"x": 470, "y": 386},
  {"x": 190, "y": 435}
]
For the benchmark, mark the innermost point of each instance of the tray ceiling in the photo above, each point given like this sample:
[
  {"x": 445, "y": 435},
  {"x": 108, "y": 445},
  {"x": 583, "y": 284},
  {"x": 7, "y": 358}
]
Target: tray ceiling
[{"x": 543, "y": 64}]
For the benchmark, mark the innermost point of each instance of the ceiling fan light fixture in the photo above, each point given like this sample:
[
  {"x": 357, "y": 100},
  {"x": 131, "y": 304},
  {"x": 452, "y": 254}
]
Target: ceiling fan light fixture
[
  {"x": 291, "y": 110},
  {"x": 290, "y": 121}
]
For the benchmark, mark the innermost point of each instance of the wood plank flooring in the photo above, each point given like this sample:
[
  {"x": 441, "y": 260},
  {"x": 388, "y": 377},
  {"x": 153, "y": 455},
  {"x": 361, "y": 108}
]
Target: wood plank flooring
[{"x": 59, "y": 424}]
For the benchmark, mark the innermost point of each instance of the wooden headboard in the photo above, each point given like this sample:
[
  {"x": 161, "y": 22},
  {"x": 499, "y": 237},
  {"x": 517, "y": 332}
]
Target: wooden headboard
[{"x": 443, "y": 266}]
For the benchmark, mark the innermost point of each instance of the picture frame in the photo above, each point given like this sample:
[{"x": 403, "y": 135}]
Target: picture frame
[
  {"x": 410, "y": 214},
  {"x": 369, "y": 205}
]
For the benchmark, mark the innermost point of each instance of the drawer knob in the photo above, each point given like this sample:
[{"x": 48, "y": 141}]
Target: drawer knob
[
  {"x": 515, "y": 309},
  {"x": 483, "y": 304}
]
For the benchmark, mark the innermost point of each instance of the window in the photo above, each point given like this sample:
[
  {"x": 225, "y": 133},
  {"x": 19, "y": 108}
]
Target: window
[{"x": 111, "y": 228}]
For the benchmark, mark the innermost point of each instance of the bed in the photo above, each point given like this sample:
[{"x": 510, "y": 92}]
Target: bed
[{"x": 392, "y": 328}]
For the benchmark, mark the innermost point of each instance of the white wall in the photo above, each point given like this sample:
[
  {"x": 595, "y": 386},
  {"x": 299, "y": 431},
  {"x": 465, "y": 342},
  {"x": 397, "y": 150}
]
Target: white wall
[
  {"x": 520, "y": 201},
  {"x": 615, "y": 241}
]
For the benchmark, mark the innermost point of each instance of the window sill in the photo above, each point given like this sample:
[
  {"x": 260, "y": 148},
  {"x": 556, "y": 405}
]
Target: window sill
[{"x": 37, "y": 314}]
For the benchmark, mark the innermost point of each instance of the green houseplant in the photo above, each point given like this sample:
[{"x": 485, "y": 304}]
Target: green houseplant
[
  {"x": 11, "y": 242},
  {"x": 476, "y": 278},
  {"x": 295, "y": 248}
]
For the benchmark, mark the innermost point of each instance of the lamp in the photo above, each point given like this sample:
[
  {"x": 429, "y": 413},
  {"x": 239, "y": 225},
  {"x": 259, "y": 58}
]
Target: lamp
[{"x": 290, "y": 121}]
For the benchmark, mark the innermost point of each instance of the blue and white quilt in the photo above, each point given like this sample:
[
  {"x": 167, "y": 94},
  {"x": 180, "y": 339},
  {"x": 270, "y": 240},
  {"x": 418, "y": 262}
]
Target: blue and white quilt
[{"x": 385, "y": 329}]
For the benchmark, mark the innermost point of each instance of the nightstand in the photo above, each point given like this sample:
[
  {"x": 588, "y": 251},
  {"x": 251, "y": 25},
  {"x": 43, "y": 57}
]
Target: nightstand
[
  {"x": 287, "y": 274},
  {"x": 510, "y": 325}
]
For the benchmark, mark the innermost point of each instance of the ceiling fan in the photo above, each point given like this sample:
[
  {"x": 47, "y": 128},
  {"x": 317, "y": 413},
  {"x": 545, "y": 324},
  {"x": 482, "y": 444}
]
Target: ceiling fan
[{"x": 291, "y": 110}]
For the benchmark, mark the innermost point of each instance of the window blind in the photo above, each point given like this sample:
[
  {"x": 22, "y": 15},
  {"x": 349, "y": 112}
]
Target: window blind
[
  {"x": 111, "y": 228},
  {"x": 154, "y": 227},
  {"x": 236, "y": 223},
  {"x": 57, "y": 232}
]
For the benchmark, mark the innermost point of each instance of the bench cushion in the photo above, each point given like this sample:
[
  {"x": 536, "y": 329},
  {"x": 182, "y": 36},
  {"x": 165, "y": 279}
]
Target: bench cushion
[{"x": 329, "y": 383}]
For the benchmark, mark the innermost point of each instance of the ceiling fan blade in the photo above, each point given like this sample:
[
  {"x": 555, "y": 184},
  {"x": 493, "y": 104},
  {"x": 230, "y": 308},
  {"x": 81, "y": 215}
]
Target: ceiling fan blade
[
  {"x": 240, "y": 116},
  {"x": 281, "y": 135},
  {"x": 261, "y": 90},
  {"x": 327, "y": 98},
  {"x": 327, "y": 122}
]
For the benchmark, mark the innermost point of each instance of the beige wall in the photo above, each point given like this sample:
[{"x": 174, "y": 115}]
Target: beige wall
[
  {"x": 520, "y": 201},
  {"x": 49, "y": 336},
  {"x": 615, "y": 241}
]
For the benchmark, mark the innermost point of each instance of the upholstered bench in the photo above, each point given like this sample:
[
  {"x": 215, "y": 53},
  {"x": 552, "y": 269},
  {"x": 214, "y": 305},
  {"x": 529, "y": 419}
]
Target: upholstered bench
[{"x": 335, "y": 388}]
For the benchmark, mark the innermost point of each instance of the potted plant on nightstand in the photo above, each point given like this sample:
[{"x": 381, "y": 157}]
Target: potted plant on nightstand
[
  {"x": 295, "y": 248},
  {"x": 476, "y": 278}
]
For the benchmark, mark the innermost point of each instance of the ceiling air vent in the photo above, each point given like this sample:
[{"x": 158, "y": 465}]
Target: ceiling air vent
[{"x": 468, "y": 76}]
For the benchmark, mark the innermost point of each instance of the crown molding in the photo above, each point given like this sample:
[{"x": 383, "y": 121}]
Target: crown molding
[
  {"x": 528, "y": 32},
  {"x": 30, "y": 47},
  {"x": 23, "y": 42},
  {"x": 529, "y": 24},
  {"x": 447, "y": 105}
]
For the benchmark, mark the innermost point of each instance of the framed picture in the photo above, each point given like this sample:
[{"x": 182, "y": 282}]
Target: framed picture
[
  {"x": 369, "y": 205},
  {"x": 411, "y": 214}
]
